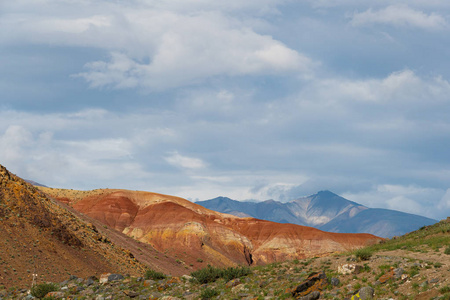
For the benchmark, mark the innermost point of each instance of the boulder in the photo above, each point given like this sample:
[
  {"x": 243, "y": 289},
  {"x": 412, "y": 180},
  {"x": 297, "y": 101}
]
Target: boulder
[
  {"x": 335, "y": 281},
  {"x": 316, "y": 282},
  {"x": 104, "y": 278},
  {"x": 233, "y": 282},
  {"x": 389, "y": 275},
  {"x": 313, "y": 296},
  {"x": 366, "y": 293},
  {"x": 115, "y": 277},
  {"x": 347, "y": 269}
]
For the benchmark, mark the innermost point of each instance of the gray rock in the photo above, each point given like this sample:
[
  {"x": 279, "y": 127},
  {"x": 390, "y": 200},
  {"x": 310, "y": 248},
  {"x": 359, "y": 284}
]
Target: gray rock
[
  {"x": 73, "y": 277},
  {"x": 335, "y": 281},
  {"x": 398, "y": 273},
  {"x": 89, "y": 281},
  {"x": 312, "y": 296},
  {"x": 434, "y": 280},
  {"x": 154, "y": 295},
  {"x": 366, "y": 293},
  {"x": 233, "y": 282},
  {"x": 115, "y": 277}
]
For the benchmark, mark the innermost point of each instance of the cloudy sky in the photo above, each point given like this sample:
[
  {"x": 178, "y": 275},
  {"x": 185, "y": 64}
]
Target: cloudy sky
[{"x": 246, "y": 99}]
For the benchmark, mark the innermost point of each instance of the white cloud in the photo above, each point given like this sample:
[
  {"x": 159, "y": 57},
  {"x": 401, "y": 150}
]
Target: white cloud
[
  {"x": 13, "y": 141},
  {"x": 186, "y": 162},
  {"x": 191, "y": 49},
  {"x": 400, "y": 16},
  {"x": 159, "y": 46},
  {"x": 444, "y": 204},
  {"x": 406, "y": 198}
]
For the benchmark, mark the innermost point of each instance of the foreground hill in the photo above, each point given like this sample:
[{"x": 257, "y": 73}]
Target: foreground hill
[
  {"x": 38, "y": 235},
  {"x": 194, "y": 234},
  {"x": 326, "y": 211},
  {"x": 415, "y": 266}
]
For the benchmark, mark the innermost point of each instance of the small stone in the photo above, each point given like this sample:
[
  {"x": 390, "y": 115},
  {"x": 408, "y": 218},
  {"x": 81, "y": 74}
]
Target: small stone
[
  {"x": 389, "y": 275},
  {"x": 335, "y": 281},
  {"x": 434, "y": 280},
  {"x": 398, "y": 273},
  {"x": 424, "y": 284},
  {"x": 115, "y": 277},
  {"x": 312, "y": 296},
  {"x": 366, "y": 293},
  {"x": 233, "y": 282},
  {"x": 131, "y": 294},
  {"x": 104, "y": 278},
  {"x": 73, "y": 277},
  {"x": 238, "y": 288},
  {"x": 89, "y": 281},
  {"x": 154, "y": 295},
  {"x": 148, "y": 283},
  {"x": 187, "y": 277},
  {"x": 57, "y": 295}
]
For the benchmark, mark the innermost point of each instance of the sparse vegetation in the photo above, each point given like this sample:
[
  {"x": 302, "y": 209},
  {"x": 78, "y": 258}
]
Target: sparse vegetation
[
  {"x": 211, "y": 274},
  {"x": 208, "y": 293},
  {"x": 40, "y": 290},
  {"x": 152, "y": 274},
  {"x": 363, "y": 254},
  {"x": 447, "y": 250}
]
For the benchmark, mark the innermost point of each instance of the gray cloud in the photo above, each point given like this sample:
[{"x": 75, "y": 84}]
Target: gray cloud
[
  {"x": 402, "y": 16},
  {"x": 251, "y": 100}
]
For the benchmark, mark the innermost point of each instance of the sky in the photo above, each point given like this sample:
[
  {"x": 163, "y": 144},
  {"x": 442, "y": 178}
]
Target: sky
[{"x": 267, "y": 99}]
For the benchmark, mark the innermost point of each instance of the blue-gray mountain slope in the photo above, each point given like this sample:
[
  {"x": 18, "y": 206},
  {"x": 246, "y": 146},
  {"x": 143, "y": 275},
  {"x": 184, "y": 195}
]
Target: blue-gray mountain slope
[{"x": 326, "y": 211}]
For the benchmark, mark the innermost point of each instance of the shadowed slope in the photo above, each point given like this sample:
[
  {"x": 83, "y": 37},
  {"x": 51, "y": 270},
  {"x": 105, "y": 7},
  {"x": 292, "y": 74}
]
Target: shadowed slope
[{"x": 39, "y": 236}]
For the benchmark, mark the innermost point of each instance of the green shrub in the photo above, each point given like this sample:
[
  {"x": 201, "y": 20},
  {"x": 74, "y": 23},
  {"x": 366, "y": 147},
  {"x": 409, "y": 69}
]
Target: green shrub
[
  {"x": 208, "y": 293},
  {"x": 42, "y": 289},
  {"x": 363, "y": 254},
  {"x": 211, "y": 274},
  {"x": 447, "y": 250},
  {"x": 413, "y": 271},
  {"x": 445, "y": 289},
  {"x": 235, "y": 272},
  {"x": 208, "y": 274},
  {"x": 152, "y": 274}
]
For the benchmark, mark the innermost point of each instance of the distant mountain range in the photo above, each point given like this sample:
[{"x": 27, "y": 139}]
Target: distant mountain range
[{"x": 326, "y": 211}]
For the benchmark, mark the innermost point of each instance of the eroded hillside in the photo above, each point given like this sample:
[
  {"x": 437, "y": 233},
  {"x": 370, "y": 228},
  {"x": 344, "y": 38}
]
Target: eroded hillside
[
  {"x": 194, "y": 234},
  {"x": 38, "y": 236}
]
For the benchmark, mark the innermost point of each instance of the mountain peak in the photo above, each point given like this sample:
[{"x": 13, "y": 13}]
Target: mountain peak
[{"x": 326, "y": 193}]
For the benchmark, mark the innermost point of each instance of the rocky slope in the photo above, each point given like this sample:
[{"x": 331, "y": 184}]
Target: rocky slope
[
  {"x": 193, "y": 234},
  {"x": 40, "y": 236},
  {"x": 326, "y": 211},
  {"x": 416, "y": 266}
]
